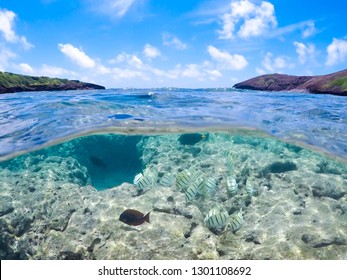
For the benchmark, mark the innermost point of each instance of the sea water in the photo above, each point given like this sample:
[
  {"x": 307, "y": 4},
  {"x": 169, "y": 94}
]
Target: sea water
[{"x": 70, "y": 165}]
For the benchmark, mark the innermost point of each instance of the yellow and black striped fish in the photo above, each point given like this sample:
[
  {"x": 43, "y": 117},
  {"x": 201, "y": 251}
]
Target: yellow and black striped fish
[
  {"x": 229, "y": 161},
  {"x": 193, "y": 189},
  {"x": 208, "y": 186},
  {"x": 236, "y": 221},
  {"x": 183, "y": 180},
  {"x": 250, "y": 187},
  {"x": 146, "y": 180},
  {"x": 232, "y": 185},
  {"x": 167, "y": 180},
  {"x": 216, "y": 218}
]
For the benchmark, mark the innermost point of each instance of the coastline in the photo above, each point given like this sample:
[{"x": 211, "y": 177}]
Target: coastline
[{"x": 334, "y": 83}]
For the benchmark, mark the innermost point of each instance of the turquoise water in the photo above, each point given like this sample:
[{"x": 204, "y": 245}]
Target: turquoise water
[{"x": 225, "y": 174}]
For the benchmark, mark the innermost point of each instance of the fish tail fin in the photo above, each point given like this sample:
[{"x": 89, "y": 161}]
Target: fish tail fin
[{"x": 146, "y": 218}]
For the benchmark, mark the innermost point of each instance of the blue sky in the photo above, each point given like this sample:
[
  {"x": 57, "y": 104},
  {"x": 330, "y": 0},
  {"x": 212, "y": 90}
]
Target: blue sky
[{"x": 172, "y": 43}]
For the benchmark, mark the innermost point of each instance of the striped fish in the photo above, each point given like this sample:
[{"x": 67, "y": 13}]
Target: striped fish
[
  {"x": 249, "y": 187},
  {"x": 216, "y": 218},
  {"x": 183, "y": 180},
  {"x": 137, "y": 178},
  {"x": 186, "y": 178},
  {"x": 229, "y": 161},
  {"x": 152, "y": 173},
  {"x": 167, "y": 180},
  {"x": 236, "y": 221},
  {"x": 193, "y": 189},
  {"x": 208, "y": 186},
  {"x": 146, "y": 180},
  {"x": 232, "y": 185}
]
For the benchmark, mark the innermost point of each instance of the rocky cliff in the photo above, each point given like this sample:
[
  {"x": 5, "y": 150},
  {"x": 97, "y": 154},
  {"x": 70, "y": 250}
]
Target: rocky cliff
[
  {"x": 10, "y": 82},
  {"x": 335, "y": 83}
]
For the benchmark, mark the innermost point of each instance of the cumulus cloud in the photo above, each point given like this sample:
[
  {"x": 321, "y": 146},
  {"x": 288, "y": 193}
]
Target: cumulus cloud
[
  {"x": 150, "y": 51},
  {"x": 226, "y": 60},
  {"x": 337, "y": 52},
  {"x": 191, "y": 71},
  {"x": 304, "y": 51},
  {"x": 246, "y": 19},
  {"x": 7, "y": 29},
  {"x": 26, "y": 68},
  {"x": 171, "y": 40},
  {"x": 272, "y": 64},
  {"x": 128, "y": 59},
  {"x": 77, "y": 56},
  {"x": 5, "y": 56}
]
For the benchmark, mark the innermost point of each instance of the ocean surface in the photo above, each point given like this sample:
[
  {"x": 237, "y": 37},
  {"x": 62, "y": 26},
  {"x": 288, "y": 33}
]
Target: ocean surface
[{"x": 225, "y": 173}]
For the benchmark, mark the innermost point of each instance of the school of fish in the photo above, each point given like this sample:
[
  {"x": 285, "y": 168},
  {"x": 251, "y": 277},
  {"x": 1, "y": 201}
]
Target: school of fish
[{"x": 196, "y": 185}]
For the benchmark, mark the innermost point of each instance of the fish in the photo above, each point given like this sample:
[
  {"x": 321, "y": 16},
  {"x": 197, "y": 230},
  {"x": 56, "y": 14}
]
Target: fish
[
  {"x": 146, "y": 180},
  {"x": 137, "y": 178},
  {"x": 236, "y": 221},
  {"x": 151, "y": 172},
  {"x": 208, "y": 186},
  {"x": 167, "y": 180},
  {"x": 249, "y": 187},
  {"x": 229, "y": 161},
  {"x": 183, "y": 180},
  {"x": 97, "y": 161},
  {"x": 216, "y": 218},
  {"x": 193, "y": 189},
  {"x": 133, "y": 217},
  {"x": 191, "y": 138},
  {"x": 232, "y": 185}
]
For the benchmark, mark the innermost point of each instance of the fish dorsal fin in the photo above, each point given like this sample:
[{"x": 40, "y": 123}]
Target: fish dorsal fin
[{"x": 146, "y": 217}]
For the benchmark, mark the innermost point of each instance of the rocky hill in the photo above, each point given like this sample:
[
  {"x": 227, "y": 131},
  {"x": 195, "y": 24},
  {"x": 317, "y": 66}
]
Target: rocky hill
[
  {"x": 10, "y": 82},
  {"x": 335, "y": 83}
]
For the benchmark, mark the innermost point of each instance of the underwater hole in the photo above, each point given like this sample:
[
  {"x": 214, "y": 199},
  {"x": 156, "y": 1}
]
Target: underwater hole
[
  {"x": 280, "y": 167},
  {"x": 110, "y": 159},
  {"x": 104, "y": 161}
]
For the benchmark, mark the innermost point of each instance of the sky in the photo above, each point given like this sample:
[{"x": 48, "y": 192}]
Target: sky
[{"x": 172, "y": 43}]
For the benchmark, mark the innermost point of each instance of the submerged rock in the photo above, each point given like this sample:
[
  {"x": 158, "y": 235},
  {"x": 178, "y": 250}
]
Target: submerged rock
[{"x": 50, "y": 210}]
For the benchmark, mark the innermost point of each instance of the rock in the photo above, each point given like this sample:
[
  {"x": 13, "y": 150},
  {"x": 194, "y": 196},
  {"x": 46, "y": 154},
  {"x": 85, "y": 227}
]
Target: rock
[
  {"x": 5, "y": 205},
  {"x": 334, "y": 83}
]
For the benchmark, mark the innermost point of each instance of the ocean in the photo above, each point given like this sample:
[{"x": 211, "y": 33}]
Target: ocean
[{"x": 223, "y": 174}]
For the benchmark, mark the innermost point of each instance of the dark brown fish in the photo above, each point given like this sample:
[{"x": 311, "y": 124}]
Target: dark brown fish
[{"x": 133, "y": 217}]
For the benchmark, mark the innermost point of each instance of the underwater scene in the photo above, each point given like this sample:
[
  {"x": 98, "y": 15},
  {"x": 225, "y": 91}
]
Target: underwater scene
[{"x": 153, "y": 185}]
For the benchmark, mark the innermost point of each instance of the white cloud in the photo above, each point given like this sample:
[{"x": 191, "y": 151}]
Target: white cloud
[
  {"x": 7, "y": 29},
  {"x": 170, "y": 40},
  {"x": 5, "y": 56},
  {"x": 54, "y": 71},
  {"x": 76, "y": 55},
  {"x": 213, "y": 74},
  {"x": 119, "y": 74},
  {"x": 150, "y": 51},
  {"x": 6, "y": 25},
  {"x": 304, "y": 51},
  {"x": 337, "y": 52},
  {"x": 226, "y": 60},
  {"x": 192, "y": 71},
  {"x": 250, "y": 19},
  {"x": 309, "y": 30},
  {"x": 112, "y": 8},
  {"x": 273, "y": 64},
  {"x": 26, "y": 68}
]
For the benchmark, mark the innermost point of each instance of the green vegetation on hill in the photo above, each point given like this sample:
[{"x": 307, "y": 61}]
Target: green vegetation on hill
[
  {"x": 8, "y": 80},
  {"x": 341, "y": 82}
]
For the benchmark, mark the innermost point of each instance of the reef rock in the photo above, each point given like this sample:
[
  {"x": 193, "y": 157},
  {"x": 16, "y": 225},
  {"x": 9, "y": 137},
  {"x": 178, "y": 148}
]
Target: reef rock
[{"x": 335, "y": 83}]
